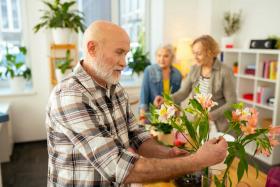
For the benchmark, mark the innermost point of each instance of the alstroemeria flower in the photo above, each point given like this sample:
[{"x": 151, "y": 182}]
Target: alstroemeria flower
[
  {"x": 273, "y": 142},
  {"x": 163, "y": 115},
  {"x": 274, "y": 130},
  {"x": 263, "y": 151},
  {"x": 205, "y": 101},
  {"x": 251, "y": 116},
  {"x": 171, "y": 110},
  {"x": 247, "y": 129},
  {"x": 272, "y": 133}
]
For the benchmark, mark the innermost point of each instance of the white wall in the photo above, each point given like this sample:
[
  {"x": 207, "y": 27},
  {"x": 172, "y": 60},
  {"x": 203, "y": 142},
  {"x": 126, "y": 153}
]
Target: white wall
[
  {"x": 192, "y": 18},
  {"x": 28, "y": 111},
  {"x": 261, "y": 19}
]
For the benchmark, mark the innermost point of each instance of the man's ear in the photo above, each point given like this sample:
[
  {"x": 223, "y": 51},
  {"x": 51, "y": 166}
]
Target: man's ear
[{"x": 91, "y": 48}]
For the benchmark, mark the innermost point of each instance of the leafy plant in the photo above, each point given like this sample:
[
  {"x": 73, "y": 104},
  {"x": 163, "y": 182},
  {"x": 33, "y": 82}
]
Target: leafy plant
[
  {"x": 235, "y": 64},
  {"x": 59, "y": 15},
  {"x": 14, "y": 67},
  {"x": 139, "y": 59},
  {"x": 64, "y": 64},
  {"x": 193, "y": 124},
  {"x": 231, "y": 22}
]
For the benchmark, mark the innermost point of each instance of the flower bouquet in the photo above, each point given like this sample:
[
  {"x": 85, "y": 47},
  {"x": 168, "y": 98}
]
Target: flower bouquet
[{"x": 192, "y": 122}]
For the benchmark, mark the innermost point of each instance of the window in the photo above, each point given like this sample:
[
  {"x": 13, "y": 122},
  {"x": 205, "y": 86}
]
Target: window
[
  {"x": 10, "y": 16},
  {"x": 10, "y": 31},
  {"x": 132, "y": 19}
]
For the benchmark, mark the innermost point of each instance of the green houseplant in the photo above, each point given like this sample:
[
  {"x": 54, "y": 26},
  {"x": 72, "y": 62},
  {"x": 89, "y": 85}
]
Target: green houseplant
[
  {"x": 16, "y": 69},
  {"x": 139, "y": 59},
  {"x": 63, "y": 66},
  {"x": 231, "y": 24},
  {"x": 61, "y": 19}
]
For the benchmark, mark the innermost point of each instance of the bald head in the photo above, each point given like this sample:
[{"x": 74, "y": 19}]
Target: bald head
[{"x": 103, "y": 31}]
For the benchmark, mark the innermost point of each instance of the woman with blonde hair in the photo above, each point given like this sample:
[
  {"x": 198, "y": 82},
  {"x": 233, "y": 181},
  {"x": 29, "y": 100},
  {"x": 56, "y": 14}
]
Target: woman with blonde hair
[
  {"x": 159, "y": 78},
  {"x": 211, "y": 76}
]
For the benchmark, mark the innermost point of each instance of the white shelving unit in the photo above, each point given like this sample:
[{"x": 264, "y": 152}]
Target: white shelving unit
[{"x": 250, "y": 83}]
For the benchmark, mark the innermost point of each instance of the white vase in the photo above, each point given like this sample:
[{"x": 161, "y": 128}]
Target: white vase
[
  {"x": 61, "y": 35},
  {"x": 60, "y": 76},
  {"x": 227, "y": 42},
  {"x": 17, "y": 84}
]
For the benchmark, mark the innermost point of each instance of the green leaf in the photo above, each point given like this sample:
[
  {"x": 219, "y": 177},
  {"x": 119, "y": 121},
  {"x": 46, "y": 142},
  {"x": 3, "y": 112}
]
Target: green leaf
[
  {"x": 196, "y": 104},
  {"x": 217, "y": 181},
  {"x": 189, "y": 127},
  {"x": 228, "y": 115},
  {"x": 23, "y": 50},
  {"x": 240, "y": 169},
  {"x": 203, "y": 130},
  {"x": 197, "y": 90}
]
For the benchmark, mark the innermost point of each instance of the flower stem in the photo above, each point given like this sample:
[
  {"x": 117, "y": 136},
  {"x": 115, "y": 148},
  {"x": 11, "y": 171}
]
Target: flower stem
[{"x": 189, "y": 141}]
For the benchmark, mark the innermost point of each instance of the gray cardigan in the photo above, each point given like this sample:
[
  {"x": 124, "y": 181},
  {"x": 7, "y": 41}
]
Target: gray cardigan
[{"x": 222, "y": 87}]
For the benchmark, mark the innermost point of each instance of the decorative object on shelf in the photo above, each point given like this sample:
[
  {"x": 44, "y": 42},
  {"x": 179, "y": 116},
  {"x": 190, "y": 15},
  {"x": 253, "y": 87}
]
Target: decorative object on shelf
[
  {"x": 235, "y": 67},
  {"x": 193, "y": 124},
  {"x": 59, "y": 62},
  {"x": 277, "y": 38},
  {"x": 250, "y": 69},
  {"x": 139, "y": 59},
  {"x": 61, "y": 20},
  {"x": 63, "y": 66},
  {"x": 263, "y": 44},
  {"x": 16, "y": 69},
  {"x": 248, "y": 96},
  {"x": 231, "y": 23}
]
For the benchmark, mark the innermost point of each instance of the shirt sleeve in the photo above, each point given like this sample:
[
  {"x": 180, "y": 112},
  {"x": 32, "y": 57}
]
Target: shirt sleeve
[
  {"x": 79, "y": 122},
  {"x": 137, "y": 134}
]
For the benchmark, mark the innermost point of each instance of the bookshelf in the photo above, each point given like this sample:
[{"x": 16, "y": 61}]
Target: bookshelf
[{"x": 256, "y": 84}]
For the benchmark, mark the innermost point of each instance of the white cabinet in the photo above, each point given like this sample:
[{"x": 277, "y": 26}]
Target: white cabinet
[
  {"x": 6, "y": 138},
  {"x": 254, "y": 81}
]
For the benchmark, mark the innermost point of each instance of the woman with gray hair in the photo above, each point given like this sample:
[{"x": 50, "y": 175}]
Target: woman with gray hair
[{"x": 159, "y": 78}]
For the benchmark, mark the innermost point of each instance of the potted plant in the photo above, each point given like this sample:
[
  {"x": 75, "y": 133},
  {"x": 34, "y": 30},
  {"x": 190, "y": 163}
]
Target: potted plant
[
  {"x": 235, "y": 67},
  {"x": 63, "y": 66},
  {"x": 16, "y": 69},
  {"x": 139, "y": 59},
  {"x": 61, "y": 20},
  {"x": 231, "y": 23}
]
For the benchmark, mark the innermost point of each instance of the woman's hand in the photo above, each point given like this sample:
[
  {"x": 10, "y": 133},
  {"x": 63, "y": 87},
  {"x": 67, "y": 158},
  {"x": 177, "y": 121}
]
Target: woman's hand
[{"x": 158, "y": 101}]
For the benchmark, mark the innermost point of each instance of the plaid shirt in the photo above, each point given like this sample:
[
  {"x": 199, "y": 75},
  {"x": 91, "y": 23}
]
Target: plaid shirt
[{"x": 89, "y": 132}]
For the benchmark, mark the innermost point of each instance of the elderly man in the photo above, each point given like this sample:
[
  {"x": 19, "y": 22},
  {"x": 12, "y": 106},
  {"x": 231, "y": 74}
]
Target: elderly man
[{"x": 91, "y": 129}]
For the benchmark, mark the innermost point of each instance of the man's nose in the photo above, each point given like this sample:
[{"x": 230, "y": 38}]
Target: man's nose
[{"x": 122, "y": 62}]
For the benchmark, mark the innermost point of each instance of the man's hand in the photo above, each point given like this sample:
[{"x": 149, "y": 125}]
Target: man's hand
[
  {"x": 175, "y": 152},
  {"x": 212, "y": 152},
  {"x": 158, "y": 101}
]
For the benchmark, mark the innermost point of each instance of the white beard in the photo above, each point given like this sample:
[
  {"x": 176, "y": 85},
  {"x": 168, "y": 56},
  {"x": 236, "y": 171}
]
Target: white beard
[{"x": 105, "y": 73}]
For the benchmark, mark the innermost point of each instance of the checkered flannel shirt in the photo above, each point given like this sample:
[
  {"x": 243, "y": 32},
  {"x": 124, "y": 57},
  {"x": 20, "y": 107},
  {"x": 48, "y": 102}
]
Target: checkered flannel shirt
[{"x": 89, "y": 129}]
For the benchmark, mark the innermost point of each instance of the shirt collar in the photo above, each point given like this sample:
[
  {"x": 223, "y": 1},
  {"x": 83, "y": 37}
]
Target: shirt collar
[{"x": 87, "y": 81}]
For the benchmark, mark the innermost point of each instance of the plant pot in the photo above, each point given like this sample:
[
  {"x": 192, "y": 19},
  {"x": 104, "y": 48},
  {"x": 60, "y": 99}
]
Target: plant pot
[
  {"x": 60, "y": 76},
  {"x": 17, "y": 84},
  {"x": 61, "y": 35},
  {"x": 235, "y": 69},
  {"x": 227, "y": 42},
  {"x": 138, "y": 77}
]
